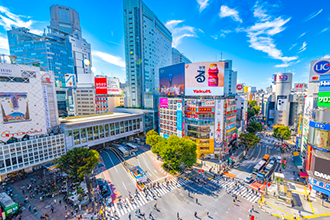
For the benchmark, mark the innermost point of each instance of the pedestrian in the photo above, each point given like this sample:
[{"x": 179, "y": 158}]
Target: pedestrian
[
  {"x": 299, "y": 213},
  {"x": 274, "y": 194},
  {"x": 65, "y": 207},
  {"x": 322, "y": 202},
  {"x": 195, "y": 214},
  {"x": 55, "y": 201},
  {"x": 35, "y": 210},
  {"x": 208, "y": 214},
  {"x": 52, "y": 208},
  {"x": 22, "y": 191},
  {"x": 29, "y": 208},
  {"x": 177, "y": 215},
  {"x": 252, "y": 207},
  {"x": 196, "y": 201},
  {"x": 79, "y": 207},
  {"x": 129, "y": 216}
]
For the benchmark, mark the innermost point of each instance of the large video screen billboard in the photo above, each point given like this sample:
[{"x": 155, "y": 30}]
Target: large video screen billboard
[
  {"x": 101, "y": 87},
  {"x": 204, "y": 78},
  {"x": 171, "y": 80}
]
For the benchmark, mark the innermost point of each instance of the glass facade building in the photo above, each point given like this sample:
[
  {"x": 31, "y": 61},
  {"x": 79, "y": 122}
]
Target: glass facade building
[{"x": 148, "y": 46}]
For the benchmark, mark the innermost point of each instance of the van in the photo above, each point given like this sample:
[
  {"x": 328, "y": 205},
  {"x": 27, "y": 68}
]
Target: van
[{"x": 279, "y": 158}]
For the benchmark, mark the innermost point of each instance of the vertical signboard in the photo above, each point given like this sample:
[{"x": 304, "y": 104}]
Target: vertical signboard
[
  {"x": 218, "y": 138},
  {"x": 70, "y": 80},
  {"x": 45, "y": 96},
  {"x": 179, "y": 117},
  {"x": 282, "y": 102},
  {"x": 101, "y": 87}
]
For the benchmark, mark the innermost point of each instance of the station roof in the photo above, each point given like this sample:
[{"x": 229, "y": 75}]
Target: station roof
[{"x": 96, "y": 118}]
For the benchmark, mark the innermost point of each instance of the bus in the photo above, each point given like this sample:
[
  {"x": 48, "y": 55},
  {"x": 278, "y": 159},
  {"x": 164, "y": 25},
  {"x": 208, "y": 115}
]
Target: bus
[
  {"x": 123, "y": 151},
  {"x": 266, "y": 157},
  {"x": 133, "y": 147},
  {"x": 8, "y": 206},
  {"x": 257, "y": 168}
]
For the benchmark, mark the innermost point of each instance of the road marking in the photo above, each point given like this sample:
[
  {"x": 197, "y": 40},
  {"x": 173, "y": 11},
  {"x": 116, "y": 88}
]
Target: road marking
[
  {"x": 124, "y": 185},
  {"x": 148, "y": 166},
  {"x": 309, "y": 201},
  {"x": 111, "y": 161},
  {"x": 280, "y": 209}
]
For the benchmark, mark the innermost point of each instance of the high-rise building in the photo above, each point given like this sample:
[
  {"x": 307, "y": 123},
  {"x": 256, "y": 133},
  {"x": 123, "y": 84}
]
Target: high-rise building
[
  {"x": 65, "y": 19},
  {"x": 230, "y": 78},
  {"x": 178, "y": 57},
  {"x": 148, "y": 46}
]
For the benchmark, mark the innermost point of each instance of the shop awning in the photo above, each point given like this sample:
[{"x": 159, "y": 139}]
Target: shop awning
[
  {"x": 298, "y": 162},
  {"x": 319, "y": 189},
  {"x": 303, "y": 175},
  {"x": 295, "y": 154}
]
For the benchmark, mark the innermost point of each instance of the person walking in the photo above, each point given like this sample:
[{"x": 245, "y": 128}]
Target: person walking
[
  {"x": 65, "y": 207},
  {"x": 60, "y": 202},
  {"x": 177, "y": 215},
  {"x": 29, "y": 208},
  {"x": 196, "y": 200},
  {"x": 35, "y": 210},
  {"x": 195, "y": 214},
  {"x": 55, "y": 201},
  {"x": 52, "y": 208}
]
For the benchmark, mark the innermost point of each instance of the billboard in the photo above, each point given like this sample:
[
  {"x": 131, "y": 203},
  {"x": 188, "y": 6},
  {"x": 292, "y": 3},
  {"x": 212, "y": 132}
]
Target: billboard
[
  {"x": 14, "y": 107},
  {"x": 318, "y": 68},
  {"x": 113, "y": 86},
  {"x": 163, "y": 102},
  {"x": 219, "y": 107},
  {"x": 171, "y": 80},
  {"x": 321, "y": 168},
  {"x": 323, "y": 99},
  {"x": 282, "y": 102},
  {"x": 101, "y": 87},
  {"x": 179, "y": 127},
  {"x": 308, "y": 107},
  {"x": 239, "y": 88},
  {"x": 70, "y": 80},
  {"x": 284, "y": 77},
  {"x": 324, "y": 83},
  {"x": 10, "y": 70},
  {"x": 204, "y": 78},
  {"x": 299, "y": 87},
  {"x": 271, "y": 114}
]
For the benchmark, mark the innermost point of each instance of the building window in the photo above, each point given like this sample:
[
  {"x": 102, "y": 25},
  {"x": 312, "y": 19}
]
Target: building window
[
  {"x": 90, "y": 133},
  {"x": 76, "y": 138},
  {"x": 83, "y": 135},
  {"x": 96, "y": 132}
]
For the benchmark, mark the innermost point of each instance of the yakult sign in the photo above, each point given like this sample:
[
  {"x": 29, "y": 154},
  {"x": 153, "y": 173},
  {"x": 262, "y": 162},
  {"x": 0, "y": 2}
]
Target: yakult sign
[{"x": 317, "y": 68}]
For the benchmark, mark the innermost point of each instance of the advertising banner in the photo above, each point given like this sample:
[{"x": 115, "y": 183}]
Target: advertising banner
[
  {"x": 45, "y": 96},
  {"x": 273, "y": 78},
  {"x": 70, "y": 80},
  {"x": 179, "y": 126},
  {"x": 14, "y": 107},
  {"x": 231, "y": 126},
  {"x": 163, "y": 102},
  {"x": 10, "y": 70},
  {"x": 321, "y": 168},
  {"x": 324, "y": 83},
  {"x": 204, "y": 78},
  {"x": 282, "y": 102},
  {"x": 113, "y": 86},
  {"x": 323, "y": 99},
  {"x": 219, "y": 107},
  {"x": 319, "y": 184},
  {"x": 47, "y": 78},
  {"x": 284, "y": 77},
  {"x": 299, "y": 87},
  {"x": 172, "y": 80},
  {"x": 318, "y": 68},
  {"x": 101, "y": 87},
  {"x": 271, "y": 114},
  {"x": 207, "y": 102},
  {"x": 319, "y": 138}
]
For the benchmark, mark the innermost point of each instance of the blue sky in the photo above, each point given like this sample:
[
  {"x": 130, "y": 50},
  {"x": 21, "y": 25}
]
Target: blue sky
[{"x": 261, "y": 37}]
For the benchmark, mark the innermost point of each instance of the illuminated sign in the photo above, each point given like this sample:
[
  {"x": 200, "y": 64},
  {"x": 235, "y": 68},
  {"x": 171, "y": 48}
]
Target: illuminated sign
[
  {"x": 101, "y": 87},
  {"x": 324, "y": 83},
  {"x": 323, "y": 99},
  {"x": 322, "y": 67}
]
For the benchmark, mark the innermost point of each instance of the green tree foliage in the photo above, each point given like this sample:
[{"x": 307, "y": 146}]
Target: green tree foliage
[
  {"x": 175, "y": 151},
  {"x": 250, "y": 113},
  {"x": 78, "y": 162},
  {"x": 254, "y": 127},
  {"x": 256, "y": 109},
  {"x": 249, "y": 139},
  {"x": 282, "y": 132},
  {"x": 252, "y": 103}
]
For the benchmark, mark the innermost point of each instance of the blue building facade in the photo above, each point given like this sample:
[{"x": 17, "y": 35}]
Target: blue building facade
[{"x": 52, "y": 51}]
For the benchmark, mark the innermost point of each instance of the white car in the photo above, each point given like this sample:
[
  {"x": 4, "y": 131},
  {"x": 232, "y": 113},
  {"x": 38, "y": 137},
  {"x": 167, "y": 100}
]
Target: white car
[
  {"x": 248, "y": 179},
  {"x": 279, "y": 159}
]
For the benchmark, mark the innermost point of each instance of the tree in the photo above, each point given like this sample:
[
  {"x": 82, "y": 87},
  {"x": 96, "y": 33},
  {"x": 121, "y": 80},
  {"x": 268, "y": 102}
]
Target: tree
[
  {"x": 252, "y": 103},
  {"x": 254, "y": 127},
  {"x": 250, "y": 113},
  {"x": 256, "y": 109},
  {"x": 249, "y": 139},
  {"x": 152, "y": 138},
  {"x": 282, "y": 132},
  {"x": 151, "y": 132},
  {"x": 78, "y": 162}
]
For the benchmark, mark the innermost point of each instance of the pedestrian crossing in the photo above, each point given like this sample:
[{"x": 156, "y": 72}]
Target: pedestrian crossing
[
  {"x": 241, "y": 191},
  {"x": 141, "y": 198}
]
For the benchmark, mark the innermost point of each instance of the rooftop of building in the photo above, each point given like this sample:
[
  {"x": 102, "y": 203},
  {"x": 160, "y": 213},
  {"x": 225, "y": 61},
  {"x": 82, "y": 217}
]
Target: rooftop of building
[{"x": 95, "y": 117}]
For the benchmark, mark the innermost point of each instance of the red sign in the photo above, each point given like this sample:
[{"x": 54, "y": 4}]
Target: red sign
[
  {"x": 191, "y": 109},
  {"x": 8, "y": 134},
  {"x": 239, "y": 87},
  {"x": 205, "y": 109},
  {"x": 201, "y": 91},
  {"x": 101, "y": 87}
]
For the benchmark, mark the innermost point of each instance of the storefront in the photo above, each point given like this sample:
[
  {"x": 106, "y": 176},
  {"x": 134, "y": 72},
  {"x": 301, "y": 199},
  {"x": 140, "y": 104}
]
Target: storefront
[
  {"x": 321, "y": 188},
  {"x": 319, "y": 179}
]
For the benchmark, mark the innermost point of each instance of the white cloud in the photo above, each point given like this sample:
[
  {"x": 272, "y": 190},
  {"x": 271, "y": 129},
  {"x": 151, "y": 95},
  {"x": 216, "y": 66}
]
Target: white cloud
[
  {"x": 282, "y": 65},
  {"x": 8, "y": 19},
  {"x": 260, "y": 13},
  {"x": 261, "y": 35},
  {"x": 302, "y": 35},
  {"x": 324, "y": 30},
  {"x": 4, "y": 43},
  {"x": 201, "y": 30},
  {"x": 115, "y": 60},
  {"x": 228, "y": 12},
  {"x": 202, "y": 4},
  {"x": 326, "y": 57},
  {"x": 179, "y": 33},
  {"x": 215, "y": 37},
  {"x": 303, "y": 47},
  {"x": 313, "y": 15},
  {"x": 293, "y": 45}
]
